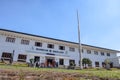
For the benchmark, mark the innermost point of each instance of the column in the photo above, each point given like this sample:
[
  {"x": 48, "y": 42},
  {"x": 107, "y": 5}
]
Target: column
[{"x": 66, "y": 62}]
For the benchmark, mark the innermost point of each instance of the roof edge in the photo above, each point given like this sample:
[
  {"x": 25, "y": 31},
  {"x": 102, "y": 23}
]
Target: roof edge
[{"x": 56, "y": 39}]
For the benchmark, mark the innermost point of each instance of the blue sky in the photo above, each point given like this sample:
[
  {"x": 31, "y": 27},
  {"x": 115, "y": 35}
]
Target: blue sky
[{"x": 99, "y": 19}]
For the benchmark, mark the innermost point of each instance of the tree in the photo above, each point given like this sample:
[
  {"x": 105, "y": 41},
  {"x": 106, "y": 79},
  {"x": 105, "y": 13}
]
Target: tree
[
  {"x": 107, "y": 63},
  {"x": 86, "y": 61},
  {"x": 31, "y": 62}
]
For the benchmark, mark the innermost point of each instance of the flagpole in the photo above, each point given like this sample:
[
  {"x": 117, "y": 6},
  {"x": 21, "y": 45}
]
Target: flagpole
[{"x": 79, "y": 44}]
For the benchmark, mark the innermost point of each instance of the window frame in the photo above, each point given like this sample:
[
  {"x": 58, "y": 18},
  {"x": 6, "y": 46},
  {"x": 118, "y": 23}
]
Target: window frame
[
  {"x": 6, "y": 55},
  {"x": 25, "y": 42},
  {"x": 102, "y": 53},
  {"x": 20, "y": 59},
  {"x": 72, "y": 49},
  {"x": 36, "y": 44},
  {"x": 89, "y": 52},
  {"x": 96, "y": 52},
  {"x": 61, "y": 47},
  {"x": 51, "y": 46},
  {"x": 10, "y": 39},
  {"x": 97, "y": 64}
]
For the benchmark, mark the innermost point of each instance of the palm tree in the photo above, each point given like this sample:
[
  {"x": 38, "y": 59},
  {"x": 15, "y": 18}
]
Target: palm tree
[{"x": 86, "y": 61}]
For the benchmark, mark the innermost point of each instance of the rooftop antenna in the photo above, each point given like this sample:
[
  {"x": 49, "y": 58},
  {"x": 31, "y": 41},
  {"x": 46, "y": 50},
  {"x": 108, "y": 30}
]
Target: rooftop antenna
[{"x": 79, "y": 44}]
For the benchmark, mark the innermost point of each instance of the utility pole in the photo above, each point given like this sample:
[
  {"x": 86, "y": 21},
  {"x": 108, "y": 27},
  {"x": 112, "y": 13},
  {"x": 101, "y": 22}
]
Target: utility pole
[{"x": 79, "y": 43}]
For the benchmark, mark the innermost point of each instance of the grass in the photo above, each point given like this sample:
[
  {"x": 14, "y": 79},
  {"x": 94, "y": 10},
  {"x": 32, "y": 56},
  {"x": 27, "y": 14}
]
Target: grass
[{"x": 102, "y": 73}]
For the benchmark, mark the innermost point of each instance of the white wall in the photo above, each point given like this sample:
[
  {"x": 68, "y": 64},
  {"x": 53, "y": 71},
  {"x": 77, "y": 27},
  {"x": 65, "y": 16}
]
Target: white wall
[
  {"x": 22, "y": 49},
  {"x": 97, "y": 58}
]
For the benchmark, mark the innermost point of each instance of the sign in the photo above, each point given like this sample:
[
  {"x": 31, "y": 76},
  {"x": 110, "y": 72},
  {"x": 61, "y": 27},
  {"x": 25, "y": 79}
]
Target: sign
[{"x": 48, "y": 50}]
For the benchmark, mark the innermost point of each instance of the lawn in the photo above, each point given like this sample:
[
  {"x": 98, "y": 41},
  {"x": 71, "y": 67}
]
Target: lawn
[{"x": 62, "y": 74}]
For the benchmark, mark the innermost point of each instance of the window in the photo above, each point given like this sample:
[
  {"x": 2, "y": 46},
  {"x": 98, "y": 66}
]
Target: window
[
  {"x": 26, "y": 42},
  {"x": 62, "y": 47},
  {"x": 10, "y": 39},
  {"x": 50, "y": 46},
  {"x": 108, "y": 54},
  {"x": 96, "y": 64},
  {"x": 82, "y": 50},
  {"x": 61, "y": 61},
  {"x": 96, "y": 52},
  {"x": 103, "y": 64},
  {"x": 72, "y": 62},
  {"x": 38, "y": 44},
  {"x": 89, "y": 51},
  {"x": 71, "y": 49},
  {"x": 6, "y": 56},
  {"x": 22, "y": 58},
  {"x": 102, "y": 53}
]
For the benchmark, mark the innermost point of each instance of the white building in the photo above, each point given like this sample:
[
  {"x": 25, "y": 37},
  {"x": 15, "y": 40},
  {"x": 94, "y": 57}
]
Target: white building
[
  {"x": 46, "y": 50},
  {"x": 116, "y": 61}
]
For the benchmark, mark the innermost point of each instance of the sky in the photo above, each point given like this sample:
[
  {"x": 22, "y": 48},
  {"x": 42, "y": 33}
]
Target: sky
[{"x": 99, "y": 20}]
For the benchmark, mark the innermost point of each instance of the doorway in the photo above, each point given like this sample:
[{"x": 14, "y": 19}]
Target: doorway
[
  {"x": 36, "y": 59},
  {"x": 72, "y": 62},
  {"x": 50, "y": 61},
  {"x": 111, "y": 65}
]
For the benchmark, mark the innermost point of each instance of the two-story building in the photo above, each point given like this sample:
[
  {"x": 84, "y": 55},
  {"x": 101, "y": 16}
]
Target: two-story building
[{"x": 24, "y": 46}]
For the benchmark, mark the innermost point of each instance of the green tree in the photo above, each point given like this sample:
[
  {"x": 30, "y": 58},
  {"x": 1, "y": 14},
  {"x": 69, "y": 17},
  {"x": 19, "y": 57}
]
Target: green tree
[
  {"x": 86, "y": 61},
  {"x": 31, "y": 62},
  {"x": 107, "y": 63}
]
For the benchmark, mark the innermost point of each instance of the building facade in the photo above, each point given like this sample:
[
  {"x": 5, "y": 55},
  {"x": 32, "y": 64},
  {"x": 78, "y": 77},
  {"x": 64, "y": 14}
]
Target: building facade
[
  {"x": 116, "y": 61},
  {"x": 23, "y": 47}
]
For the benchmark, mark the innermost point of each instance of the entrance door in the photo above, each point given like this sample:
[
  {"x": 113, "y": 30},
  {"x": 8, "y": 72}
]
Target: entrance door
[
  {"x": 111, "y": 65},
  {"x": 50, "y": 61},
  {"x": 72, "y": 62},
  {"x": 36, "y": 59}
]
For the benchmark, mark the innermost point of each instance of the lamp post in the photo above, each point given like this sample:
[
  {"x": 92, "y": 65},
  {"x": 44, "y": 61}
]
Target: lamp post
[{"x": 79, "y": 43}]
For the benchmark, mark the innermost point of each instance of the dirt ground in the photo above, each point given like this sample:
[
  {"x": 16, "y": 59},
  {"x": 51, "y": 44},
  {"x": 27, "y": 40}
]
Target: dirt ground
[{"x": 7, "y": 74}]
